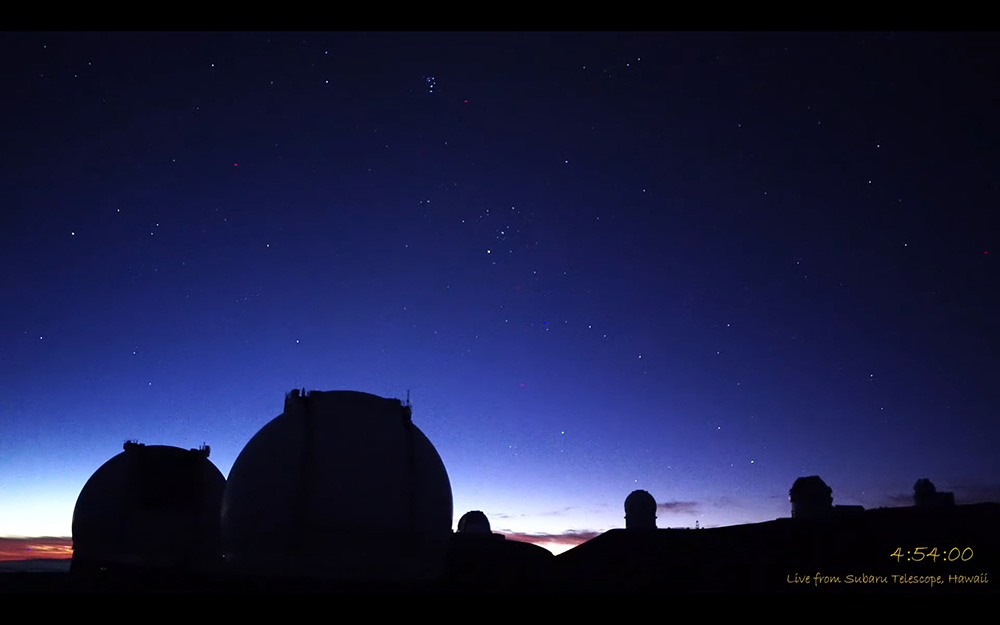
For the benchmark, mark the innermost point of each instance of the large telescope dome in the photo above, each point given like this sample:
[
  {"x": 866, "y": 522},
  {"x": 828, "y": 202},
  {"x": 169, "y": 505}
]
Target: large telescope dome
[
  {"x": 149, "y": 507},
  {"x": 341, "y": 485}
]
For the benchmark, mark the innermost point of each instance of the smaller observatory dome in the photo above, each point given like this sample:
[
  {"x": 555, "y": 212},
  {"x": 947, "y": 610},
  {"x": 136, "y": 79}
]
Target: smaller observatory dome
[
  {"x": 474, "y": 522},
  {"x": 479, "y": 559},
  {"x": 810, "y": 497},
  {"x": 640, "y": 510},
  {"x": 341, "y": 485},
  {"x": 149, "y": 507},
  {"x": 924, "y": 488},
  {"x": 926, "y": 495}
]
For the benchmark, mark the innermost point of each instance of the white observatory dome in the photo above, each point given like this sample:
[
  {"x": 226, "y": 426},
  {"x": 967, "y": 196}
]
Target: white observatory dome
[
  {"x": 149, "y": 507},
  {"x": 341, "y": 485}
]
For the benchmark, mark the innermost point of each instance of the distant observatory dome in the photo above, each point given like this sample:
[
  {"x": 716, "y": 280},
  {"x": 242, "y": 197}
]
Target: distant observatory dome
[
  {"x": 640, "y": 510},
  {"x": 479, "y": 559},
  {"x": 810, "y": 498},
  {"x": 926, "y": 495},
  {"x": 924, "y": 488},
  {"x": 341, "y": 485},
  {"x": 474, "y": 522},
  {"x": 149, "y": 507}
]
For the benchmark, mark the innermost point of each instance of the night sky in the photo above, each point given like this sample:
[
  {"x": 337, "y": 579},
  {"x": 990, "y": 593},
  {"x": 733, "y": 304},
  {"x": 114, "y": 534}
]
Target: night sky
[{"x": 702, "y": 265}]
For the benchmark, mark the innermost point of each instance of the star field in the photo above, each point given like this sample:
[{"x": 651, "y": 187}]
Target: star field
[{"x": 698, "y": 264}]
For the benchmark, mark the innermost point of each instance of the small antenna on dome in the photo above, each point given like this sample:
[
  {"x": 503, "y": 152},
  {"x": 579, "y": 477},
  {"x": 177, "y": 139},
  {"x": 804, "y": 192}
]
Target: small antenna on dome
[{"x": 408, "y": 397}]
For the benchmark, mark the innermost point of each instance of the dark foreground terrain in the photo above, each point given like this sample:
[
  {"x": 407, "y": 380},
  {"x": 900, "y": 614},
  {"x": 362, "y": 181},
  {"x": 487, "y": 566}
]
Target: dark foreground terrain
[{"x": 883, "y": 551}]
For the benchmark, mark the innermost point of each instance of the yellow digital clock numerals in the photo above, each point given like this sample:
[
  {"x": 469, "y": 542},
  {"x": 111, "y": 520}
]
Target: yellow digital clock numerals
[{"x": 921, "y": 553}]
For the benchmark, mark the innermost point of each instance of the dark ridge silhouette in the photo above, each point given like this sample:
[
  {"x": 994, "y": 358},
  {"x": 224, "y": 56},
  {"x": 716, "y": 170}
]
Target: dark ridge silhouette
[
  {"x": 343, "y": 493},
  {"x": 149, "y": 507},
  {"x": 823, "y": 548}
]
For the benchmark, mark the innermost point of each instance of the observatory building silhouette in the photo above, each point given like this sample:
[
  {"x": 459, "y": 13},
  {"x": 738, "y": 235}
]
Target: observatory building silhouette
[
  {"x": 478, "y": 556},
  {"x": 341, "y": 485},
  {"x": 474, "y": 522},
  {"x": 812, "y": 498},
  {"x": 925, "y": 495},
  {"x": 150, "y": 507},
  {"x": 640, "y": 511},
  {"x": 341, "y": 491}
]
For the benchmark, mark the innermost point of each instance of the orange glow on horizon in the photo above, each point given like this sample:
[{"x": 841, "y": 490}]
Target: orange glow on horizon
[
  {"x": 33, "y": 548},
  {"x": 556, "y": 543}
]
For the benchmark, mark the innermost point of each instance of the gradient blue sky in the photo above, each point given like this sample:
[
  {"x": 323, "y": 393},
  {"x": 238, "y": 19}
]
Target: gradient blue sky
[{"x": 698, "y": 264}]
